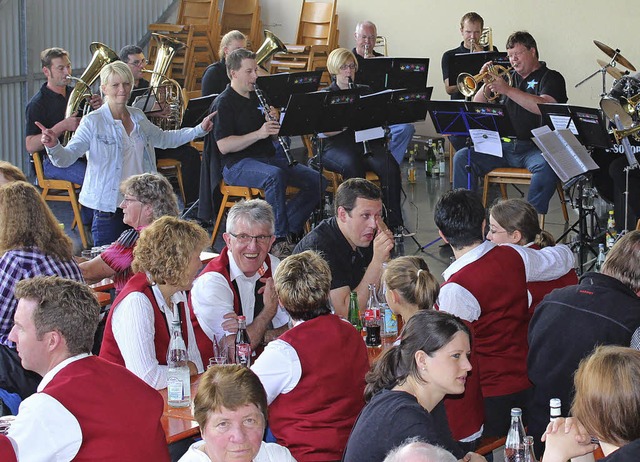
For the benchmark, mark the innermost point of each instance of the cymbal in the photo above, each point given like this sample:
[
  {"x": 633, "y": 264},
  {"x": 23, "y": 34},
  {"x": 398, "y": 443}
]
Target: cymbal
[
  {"x": 610, "y": 52},
  {"x": 612, "y": 71}
]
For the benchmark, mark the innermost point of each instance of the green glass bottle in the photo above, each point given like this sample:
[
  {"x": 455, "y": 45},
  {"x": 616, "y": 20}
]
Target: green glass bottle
[{"x": 354, "y": 311}]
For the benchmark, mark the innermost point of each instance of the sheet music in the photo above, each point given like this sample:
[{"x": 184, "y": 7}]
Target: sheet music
[
  {"x": 486, "y": 141},
  {"x": 560, "y": 122}
]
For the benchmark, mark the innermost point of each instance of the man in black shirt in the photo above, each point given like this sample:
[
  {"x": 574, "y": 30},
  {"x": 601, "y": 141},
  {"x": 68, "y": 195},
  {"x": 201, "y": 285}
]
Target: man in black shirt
[
  {"x": 352, "y": 242},
  {"x": 215, "y": 78},
  {"x": 249, "y": 157},
  {"x": 533, "y": 83}
]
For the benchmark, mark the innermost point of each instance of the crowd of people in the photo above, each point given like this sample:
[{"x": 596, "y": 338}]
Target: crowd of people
[{"x": 510, "y": 326}]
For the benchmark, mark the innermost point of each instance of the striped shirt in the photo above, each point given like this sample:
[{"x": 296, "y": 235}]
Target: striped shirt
[{"x": 16, "y": 265}]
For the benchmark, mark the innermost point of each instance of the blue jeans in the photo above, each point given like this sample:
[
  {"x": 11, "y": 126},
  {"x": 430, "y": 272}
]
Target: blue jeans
[
  {"x": 401, "y": 136},
  {"x": 518, "y": 154},
  {"x": 107, "y": 226},
  {"x": 73, "y": 173},
  {"x": 273, "y": 175}
]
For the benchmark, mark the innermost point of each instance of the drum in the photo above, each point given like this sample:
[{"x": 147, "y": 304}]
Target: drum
[{"x": 616, "y": 102}]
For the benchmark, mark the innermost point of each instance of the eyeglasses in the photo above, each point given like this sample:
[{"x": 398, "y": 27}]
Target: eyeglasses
[
  {"x": 344, "y": 67},
  {"x": 495, "y": 231},
  {"x": 367, "y": 37},
  {"x": 139, "y": 62},
  {"x": 516, "y": 54},
  {"x": 129, "y": 200},
  {"x": 245, "y": 239}
]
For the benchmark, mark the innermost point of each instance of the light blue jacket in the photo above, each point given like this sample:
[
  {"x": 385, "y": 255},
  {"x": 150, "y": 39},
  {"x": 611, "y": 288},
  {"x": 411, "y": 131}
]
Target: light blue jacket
[{"x": 100, "y": 137}]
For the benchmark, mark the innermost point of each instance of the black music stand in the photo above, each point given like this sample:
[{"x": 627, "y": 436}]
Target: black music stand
[
  {"x": 382, "y": 73},
  {"x": 458, "y": 117},
  {"x": 279, "y": 87},
  {"x": 471, "y": 63},
  {"x": 197, "y": 109}
]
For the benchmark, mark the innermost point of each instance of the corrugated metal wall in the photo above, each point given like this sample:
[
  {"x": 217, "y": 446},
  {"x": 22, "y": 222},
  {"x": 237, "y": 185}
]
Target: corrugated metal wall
[{"x": 29, "y": 26}]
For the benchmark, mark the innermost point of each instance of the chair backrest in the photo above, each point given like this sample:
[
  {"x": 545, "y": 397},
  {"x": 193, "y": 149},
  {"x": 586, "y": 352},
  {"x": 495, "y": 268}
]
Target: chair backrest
[
  {"x": 317, "y": 23},
  {"x": 242, "y": 15},
  {"x": 198, "y": 12},
  {"x": 37, "y": 164}
]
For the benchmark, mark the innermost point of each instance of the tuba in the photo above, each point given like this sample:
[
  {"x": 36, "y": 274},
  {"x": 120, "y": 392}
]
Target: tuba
[
  {"x": 468, "y": 84},
  {"x": 167, "y": 90},
  {"x": 271, "y": 45},
  {"x": 102, "y": 55}
]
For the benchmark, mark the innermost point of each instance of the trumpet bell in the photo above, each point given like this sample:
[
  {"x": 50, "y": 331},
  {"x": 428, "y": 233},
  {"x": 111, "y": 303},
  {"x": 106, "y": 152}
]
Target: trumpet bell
[
  {"x": 271, "y": 45},
  {"x": 468, "y": 84}
]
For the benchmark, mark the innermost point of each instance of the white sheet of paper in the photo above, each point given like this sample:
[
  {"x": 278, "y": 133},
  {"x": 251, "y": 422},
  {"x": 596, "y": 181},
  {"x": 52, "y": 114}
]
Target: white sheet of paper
[
  {"x": 486, "y": 142},
  {"x": 560, "y": 123},
  {"x": 369, "y": 134}
]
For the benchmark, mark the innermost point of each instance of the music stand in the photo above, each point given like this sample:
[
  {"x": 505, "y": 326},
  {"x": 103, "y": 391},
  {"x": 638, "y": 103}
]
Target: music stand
[
  {"x": 279, "y": 87},
  {"x": 382, "y": 73},
  {"x": 458, "y": 117},
  {"x": 197, "y": 109}
]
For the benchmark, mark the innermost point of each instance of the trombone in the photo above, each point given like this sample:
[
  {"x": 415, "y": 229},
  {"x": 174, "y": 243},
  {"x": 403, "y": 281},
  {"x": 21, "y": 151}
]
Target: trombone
[{"x": 468, "y": 84}]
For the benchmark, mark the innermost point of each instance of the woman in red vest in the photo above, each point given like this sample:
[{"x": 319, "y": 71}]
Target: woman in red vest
[
  {"x": 515, "y": 221},
  {"x": 406, "y": 386},
  {"x": 136, "y": 335}
]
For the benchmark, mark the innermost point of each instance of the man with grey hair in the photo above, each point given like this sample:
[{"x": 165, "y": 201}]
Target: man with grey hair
[
  {"x": 239, "y": 281},
  {"x": 603, "y": 309},
  {"x": 77, "y": 412},
  {"x": 416, "y": 450},
  {"x": 250, "y": 158}
]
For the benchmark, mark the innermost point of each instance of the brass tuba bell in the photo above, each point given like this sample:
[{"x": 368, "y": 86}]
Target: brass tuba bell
[
  {"x": 102, "y": 55},
  {"x": 271, "y": 45}
]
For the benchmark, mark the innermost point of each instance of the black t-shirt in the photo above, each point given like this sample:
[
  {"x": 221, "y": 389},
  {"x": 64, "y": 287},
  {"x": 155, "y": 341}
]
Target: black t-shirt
[
  {"x": 390, "y": 418},
  {"x": 215, "y": 79},
  {"x": 627, "y": 453},
  {"x": 238, "y": 116},
  {"x": 46, "y": 107},
  {"x": 347, "y": 265},
  {"x": 542, "y": 81}
]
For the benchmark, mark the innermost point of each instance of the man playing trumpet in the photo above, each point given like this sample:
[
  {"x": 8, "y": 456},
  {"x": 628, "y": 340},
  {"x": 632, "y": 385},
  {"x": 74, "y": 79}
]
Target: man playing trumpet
[{"x": 533, "y": 83}]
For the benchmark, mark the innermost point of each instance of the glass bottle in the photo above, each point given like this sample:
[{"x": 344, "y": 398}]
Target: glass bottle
[
  {"x": 427, "y": 156},
  {"x": 441, "y": 160},
  {"x": 514, "y": 446},
  {"x": 372, "y": 318},
  {"x": 411, "y": 171},
  {"x": 611, "y": 230},
  {"x": 601, "y": 257},
  {"x": 529, "y": 454},
  {"x": 354, "y": 311},
  {"x": 178, "y": 376},
  {"x": 435, "y": 169},
  {"x": 243, "y": 344},
  {"x": 555, "y": 407}
]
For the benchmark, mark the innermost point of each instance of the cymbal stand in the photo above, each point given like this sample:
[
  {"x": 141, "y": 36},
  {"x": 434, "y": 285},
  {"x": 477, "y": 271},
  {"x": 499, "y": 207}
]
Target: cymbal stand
[{"x": 603, "y": 72}]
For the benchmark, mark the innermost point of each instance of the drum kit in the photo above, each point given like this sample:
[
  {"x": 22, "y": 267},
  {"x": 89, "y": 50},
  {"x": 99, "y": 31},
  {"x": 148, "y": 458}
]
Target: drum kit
[{"x": 623, "y": 100}]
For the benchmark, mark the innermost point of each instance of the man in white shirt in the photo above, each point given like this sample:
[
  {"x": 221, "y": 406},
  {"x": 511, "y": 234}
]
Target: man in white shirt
[
  {"x": 239, "y": 281},
  {"x": 78, "y": 410}
]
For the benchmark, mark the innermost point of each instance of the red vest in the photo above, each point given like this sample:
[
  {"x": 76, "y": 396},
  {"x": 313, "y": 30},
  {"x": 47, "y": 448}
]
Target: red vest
[
  {"x": 119, "y": 414},
  {"x": 314, "y": 420},
  {"x": 541, "y": 288},
  {"x": 7, "y": 454},
  {"x": 498, "y": 282},
  {"x": 220, "y": 265},
  {"x": 110, "y": 350}
]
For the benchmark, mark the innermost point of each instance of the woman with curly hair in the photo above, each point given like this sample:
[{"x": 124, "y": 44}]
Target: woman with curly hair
[
  {"x": 147, "y": 197},
  {"x": 166, "y": 260},
  {"x": 31, "y": 244}
]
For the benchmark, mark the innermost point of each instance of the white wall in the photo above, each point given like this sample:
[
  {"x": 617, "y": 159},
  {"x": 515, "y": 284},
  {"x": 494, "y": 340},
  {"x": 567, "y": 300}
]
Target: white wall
[{"x": 564, "y": 30}]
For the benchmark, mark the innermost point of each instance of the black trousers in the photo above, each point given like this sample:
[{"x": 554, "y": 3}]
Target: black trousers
[{"x": 190, "y": 159}]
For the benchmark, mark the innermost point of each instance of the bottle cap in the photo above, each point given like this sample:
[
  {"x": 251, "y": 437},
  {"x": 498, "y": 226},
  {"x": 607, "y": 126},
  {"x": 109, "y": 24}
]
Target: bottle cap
[
  {"x": 516, "y": 412},
  {"x": 555, "y": 402},
  {"x": 242, "y": 318}
]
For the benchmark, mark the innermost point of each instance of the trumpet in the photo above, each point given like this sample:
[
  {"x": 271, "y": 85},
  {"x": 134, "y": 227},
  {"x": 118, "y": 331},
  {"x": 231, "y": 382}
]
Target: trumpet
[
  {"x": 281, "y": 140},
  {"x": 468, "y": 84},
  {"x": 619, "y": 134}
]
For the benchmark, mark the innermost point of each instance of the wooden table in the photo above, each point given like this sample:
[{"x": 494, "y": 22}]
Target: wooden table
[{"x": 178, "y": 422}]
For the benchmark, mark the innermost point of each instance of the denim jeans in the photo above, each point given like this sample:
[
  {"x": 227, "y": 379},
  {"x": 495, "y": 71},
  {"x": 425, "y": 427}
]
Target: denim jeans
[
  {"x": 273, "y": 174},
  {"x": 518, "y": 154},
  {"x": 107, "y": 226},
  {"x": 401, "y": 135},
  {"x": 73, "y": 173}
]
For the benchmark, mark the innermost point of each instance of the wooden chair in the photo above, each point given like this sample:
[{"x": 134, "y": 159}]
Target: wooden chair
[
  {"x": 231, "y": 195},
  {"x": 186, "y": 96},
  {"x": 169, "y": 168},
  {"x": 316, "y": 37},
  {"x": 61, "y": 191},
  {"x": 242, "y": 15},
  {"x": 505, "y": 176}
]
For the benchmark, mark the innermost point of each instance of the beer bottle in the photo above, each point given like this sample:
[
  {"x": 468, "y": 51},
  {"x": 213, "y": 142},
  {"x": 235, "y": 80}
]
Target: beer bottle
[
  {"x": 354, "y": 311},
  {"x": 243, "y": 344}
]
